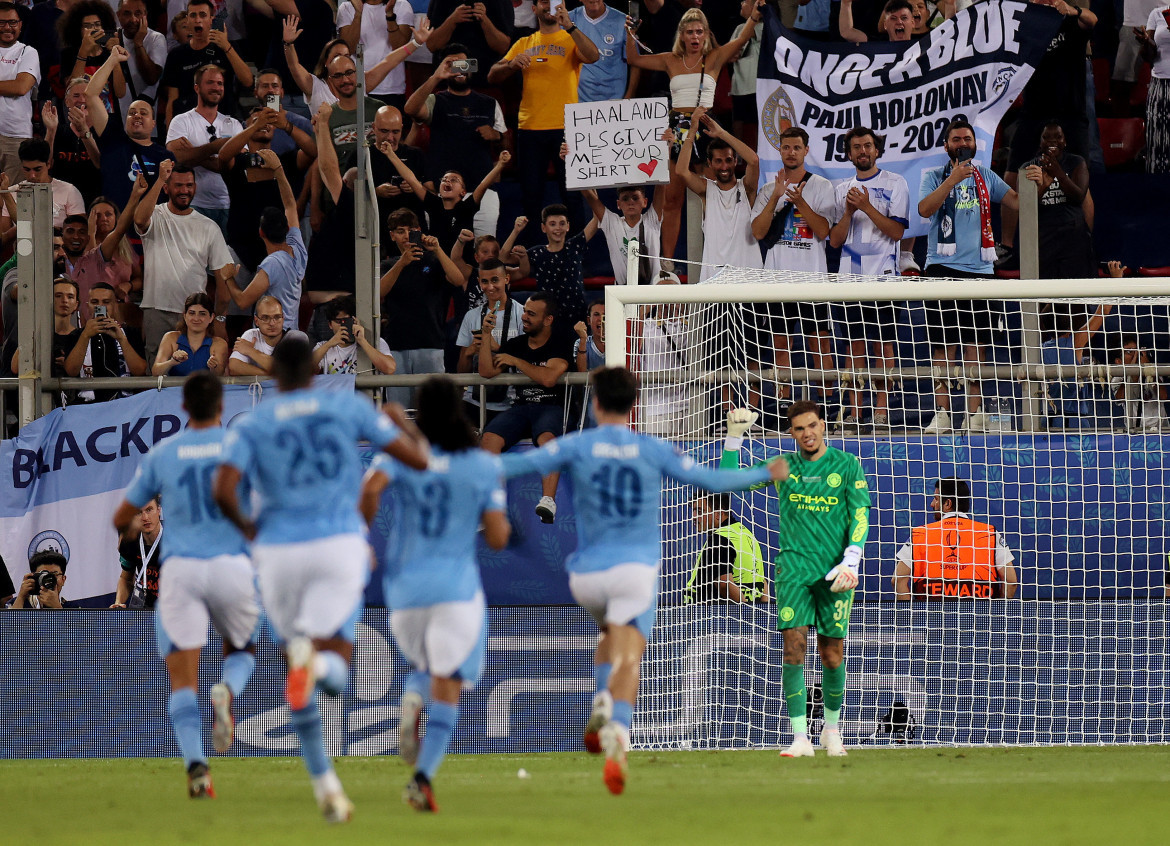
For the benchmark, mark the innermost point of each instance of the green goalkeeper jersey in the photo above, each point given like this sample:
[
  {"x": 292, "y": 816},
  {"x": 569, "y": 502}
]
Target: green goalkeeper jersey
[{"x": 824, "y": 507}]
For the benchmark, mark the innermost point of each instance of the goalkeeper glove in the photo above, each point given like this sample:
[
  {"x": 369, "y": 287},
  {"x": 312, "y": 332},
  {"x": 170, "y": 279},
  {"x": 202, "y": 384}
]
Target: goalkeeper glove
[
  {"x": 844, "y": 575},
  {"x": 739, "y": 420}
]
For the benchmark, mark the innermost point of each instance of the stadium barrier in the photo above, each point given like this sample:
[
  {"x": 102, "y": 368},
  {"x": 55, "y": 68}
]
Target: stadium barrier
[{"x": 81, "y": 684}]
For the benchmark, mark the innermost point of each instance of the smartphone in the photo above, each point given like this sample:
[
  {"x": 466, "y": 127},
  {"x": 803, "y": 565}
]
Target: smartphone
[
  {"x": 347, "y": 325},
  {"x": 272, "y": 101},
  {"x": 416, "y": 237},
  {"x": 554, "y": 5},
  {"x": 254, "y": 160},
  {"x": 965, "y": 154},
  {"x": 104, "y": 39},
  {"x": 465, "y": 66},
  {"x": 100, "y": 313}
]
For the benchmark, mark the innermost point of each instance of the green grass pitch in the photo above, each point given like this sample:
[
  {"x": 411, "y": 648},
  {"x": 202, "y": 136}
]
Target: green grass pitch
[{"x": 876, "y": 796}]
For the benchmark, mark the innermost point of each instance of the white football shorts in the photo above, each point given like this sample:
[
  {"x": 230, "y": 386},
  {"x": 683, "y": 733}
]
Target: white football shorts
[
  {"x": 313, "y": 588},
  {"x": 195, "y": 591},
  {"x": 623, "y": 595},
  {"x": 446, "y": 640}
]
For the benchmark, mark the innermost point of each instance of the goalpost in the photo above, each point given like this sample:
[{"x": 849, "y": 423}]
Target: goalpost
[{"x": 1057, "y": 421}]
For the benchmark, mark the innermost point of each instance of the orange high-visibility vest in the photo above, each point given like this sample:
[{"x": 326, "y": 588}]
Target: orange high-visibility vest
[{"x": 954, "y": 557}]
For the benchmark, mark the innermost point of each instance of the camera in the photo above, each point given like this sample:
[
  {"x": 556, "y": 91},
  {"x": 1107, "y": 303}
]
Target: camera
[
  {"x": 100, "y": 313},
  {"x": 254, "y": 160},
  {"x": 44, "y": 580},
  {"x": 465, "y": 66}
]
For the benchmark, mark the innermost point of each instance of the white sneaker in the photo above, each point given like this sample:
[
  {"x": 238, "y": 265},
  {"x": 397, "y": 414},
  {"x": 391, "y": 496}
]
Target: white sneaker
[
  {"x": 976, "y": 421},
  {"x": 615, "y": 740},
  {"x": 802, "y": 747},
  {"x": 941, "y": 422},
  {"x": 546, "y": 509},
  {"x": 832, "y": 744},
  {"x": 601, "y": 714},
  {"x": 881, "y": 424},
  {"x": 337, "y": 808},
  {"x": 409, "y": 710},
  {"x": 906, "y": 263},
  {"x": 850, "y": 426},
  {"x": 224, "y": 729}
]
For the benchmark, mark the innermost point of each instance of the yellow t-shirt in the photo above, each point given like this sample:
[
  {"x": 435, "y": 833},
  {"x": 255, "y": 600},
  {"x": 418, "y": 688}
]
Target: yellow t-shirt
[{"x": 550, "y": 81}]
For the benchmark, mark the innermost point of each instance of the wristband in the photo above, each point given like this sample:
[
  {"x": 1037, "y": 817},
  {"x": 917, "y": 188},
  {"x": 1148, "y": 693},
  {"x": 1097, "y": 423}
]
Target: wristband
[
  {"x": 731, "y": 444},
  {"x": 571, "y": 31},
  {"x": 417, "y": 46}
]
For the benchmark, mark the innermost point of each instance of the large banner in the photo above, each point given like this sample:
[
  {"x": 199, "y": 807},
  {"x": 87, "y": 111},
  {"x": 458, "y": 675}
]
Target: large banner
[
  {"x": 65, "y": 474},
  {"x": 972, "y": 66}
]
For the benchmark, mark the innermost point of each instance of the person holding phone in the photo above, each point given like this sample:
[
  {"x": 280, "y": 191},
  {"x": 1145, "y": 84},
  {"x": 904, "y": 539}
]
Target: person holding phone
[
  {"x": 88, "y": 30},
  {"x": 415, "y": 291},
  {"x": 483, "y": 330},
  {"x": 484, "y": 28},
  {"x": 339, "y": 353},
  {"x": 105, "y": 347},
  {"x": 957, "y": 200}
]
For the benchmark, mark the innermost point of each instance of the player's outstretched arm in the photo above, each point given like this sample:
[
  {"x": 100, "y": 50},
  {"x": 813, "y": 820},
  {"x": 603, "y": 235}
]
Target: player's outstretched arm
[
  {"x": 496, "y": 529},
  {"x": 550, "y": 458}
]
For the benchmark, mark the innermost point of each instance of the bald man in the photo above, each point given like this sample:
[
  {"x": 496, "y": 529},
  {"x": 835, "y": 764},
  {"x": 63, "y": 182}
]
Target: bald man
[
  {"x": 126, "y": 151},
  {"x": 392, "y": 194}
]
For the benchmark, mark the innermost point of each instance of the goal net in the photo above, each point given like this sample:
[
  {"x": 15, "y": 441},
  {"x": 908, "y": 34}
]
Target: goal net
[{"x": 1046, "y": 398}]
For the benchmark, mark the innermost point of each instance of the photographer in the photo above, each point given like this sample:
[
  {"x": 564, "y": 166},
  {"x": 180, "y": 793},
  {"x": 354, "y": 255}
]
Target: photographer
[
  {"x": 104, "y": 346},
  {"x": 140, "y": 556},
  {"x": 41, "y": 588}
]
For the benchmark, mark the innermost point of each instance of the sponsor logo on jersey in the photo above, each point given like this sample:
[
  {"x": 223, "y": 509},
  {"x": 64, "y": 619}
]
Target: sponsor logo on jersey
[{"x": 804, "y": 502}]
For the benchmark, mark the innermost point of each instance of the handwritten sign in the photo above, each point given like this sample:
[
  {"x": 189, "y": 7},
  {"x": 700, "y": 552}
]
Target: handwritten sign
[{"x": 616, "y": 142}]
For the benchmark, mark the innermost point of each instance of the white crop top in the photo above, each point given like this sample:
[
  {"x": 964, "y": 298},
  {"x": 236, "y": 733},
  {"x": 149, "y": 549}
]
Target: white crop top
[{"x": 688, "y": 90}]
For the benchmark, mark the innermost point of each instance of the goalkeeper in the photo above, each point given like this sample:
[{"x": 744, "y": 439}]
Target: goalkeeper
[{"x": 824, "y": 520}]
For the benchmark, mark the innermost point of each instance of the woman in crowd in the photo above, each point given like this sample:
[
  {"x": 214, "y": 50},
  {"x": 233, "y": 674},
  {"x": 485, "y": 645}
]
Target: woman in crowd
[
  {"x": 191, "y": 347},
  {"x": 87, "y": 30},
  {"x": 693, "y": 67},
  {"x": 1155, "y": 41}
]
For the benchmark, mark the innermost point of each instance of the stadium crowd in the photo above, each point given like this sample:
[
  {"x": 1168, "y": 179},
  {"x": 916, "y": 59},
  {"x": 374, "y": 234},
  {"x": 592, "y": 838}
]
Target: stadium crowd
[{"x": 201, "y": 159}]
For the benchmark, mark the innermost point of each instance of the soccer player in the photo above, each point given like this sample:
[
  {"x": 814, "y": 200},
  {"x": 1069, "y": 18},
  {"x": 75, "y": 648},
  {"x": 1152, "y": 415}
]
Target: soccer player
[
  {"x": 824, "y": 521},
  {"x": 431, "y": 580},
  {"x": 206, "y": 575},
  {"x": 617, "y": 482},
  {"x": 299, "y": 453}
]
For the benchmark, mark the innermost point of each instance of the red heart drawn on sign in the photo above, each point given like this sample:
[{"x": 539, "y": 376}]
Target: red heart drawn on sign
[{"x": 648, "y": 167}]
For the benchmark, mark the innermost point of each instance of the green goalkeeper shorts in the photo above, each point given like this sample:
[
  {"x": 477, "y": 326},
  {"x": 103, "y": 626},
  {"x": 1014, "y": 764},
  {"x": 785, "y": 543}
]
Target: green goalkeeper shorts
[{"x": 803, "y": 598}]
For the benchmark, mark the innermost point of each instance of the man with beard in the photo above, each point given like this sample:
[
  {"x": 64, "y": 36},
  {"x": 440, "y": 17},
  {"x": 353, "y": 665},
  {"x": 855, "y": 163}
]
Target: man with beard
[
  {"x": 20, "y": 71},
  {"x": 147, "y": 51},
  {"x": 207, "y": 46},
  {"x": 872, "y": 213},
  {"x": 957, "y": 200},
  {"x": 180, "y": 248},
  {"x": 252, "y": 355},
  {"x": 727, "y": 201},
  {"x": 392, "y": 192},
  {"x": 129, "y": 151},
  {"x": 342, "y": 78},
  {"x": 195, "y": 137},
  {"x": 791, "y": 220},
  {"x": 465, "y": 126}
]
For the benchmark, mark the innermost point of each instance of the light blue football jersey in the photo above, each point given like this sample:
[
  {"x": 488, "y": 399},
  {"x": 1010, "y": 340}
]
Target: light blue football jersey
[
  {"x": 617, "y": 489},
  {"x": 299, "y": 451},
  {"x": 430, "y": 555},
  {"x": 180, "y": 469}
]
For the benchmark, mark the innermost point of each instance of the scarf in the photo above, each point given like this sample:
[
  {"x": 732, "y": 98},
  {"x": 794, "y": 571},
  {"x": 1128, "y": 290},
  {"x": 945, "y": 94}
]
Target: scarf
[{"x": 946, "y": 228}]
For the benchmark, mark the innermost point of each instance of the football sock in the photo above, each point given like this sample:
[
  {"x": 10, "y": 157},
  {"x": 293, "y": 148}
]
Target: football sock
[
  {"x": 332, "y": 672},
  {"x": 623, "y": 713},
  {"x": 307, "y": 724},
  {"x": 601, "y": 676},
  {"x": 183, "y": 708},
  {"x": 796, "y": 698},
  {"x": 441, "y": 719},
  {"x": 237, "y": 669},
  {"x": 418, "y": 682},
  {"x": 833, "y": 687}
]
